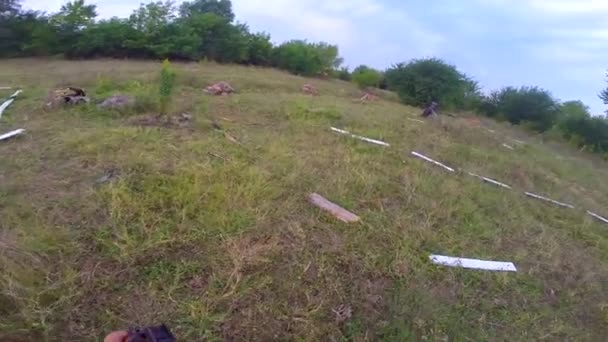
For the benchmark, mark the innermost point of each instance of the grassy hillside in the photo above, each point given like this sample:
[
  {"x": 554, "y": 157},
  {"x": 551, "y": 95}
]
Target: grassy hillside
[{"x": 211, "y": 233}]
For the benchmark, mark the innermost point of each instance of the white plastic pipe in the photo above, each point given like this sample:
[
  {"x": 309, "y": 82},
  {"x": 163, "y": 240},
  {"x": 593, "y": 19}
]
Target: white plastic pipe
[
  {"x": 9, "y": 101},
  {"x": 5, "y": 105},
  {"x": 490, "y": 180},
  {"x": 373, "y": 141},
  {"x": 597, "y": 216},
  {"x": 549, "y": 200},
  {"x": 12, "y": 134},
  {"x": 419, "y": 155},
  {"x": 473, "y": 263}
]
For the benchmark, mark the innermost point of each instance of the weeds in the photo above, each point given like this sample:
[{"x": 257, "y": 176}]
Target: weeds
[{"x": 167, "y": 83}]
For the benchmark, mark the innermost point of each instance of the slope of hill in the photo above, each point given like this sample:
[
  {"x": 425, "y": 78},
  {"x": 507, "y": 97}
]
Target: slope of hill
[{"x": 210, "y": 231}]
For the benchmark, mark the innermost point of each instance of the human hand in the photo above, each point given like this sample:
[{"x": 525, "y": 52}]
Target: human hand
[{"x": 117, "y": 336}]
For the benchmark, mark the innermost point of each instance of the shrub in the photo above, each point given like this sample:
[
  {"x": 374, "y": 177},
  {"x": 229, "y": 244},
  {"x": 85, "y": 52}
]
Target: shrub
[
  {"x": 167, "y": 83},
  {"x": 364, "y": 77},
  {"x": 531, "y": 105},
  {"x": 303, "y": 58},
  {"x": 422, "y": 81},
  {"x": 342, "y": 74}
]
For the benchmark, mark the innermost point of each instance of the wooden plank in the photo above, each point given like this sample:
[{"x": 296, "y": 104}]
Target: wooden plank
[
  {"x": 473, "y": 263},
  {"x": 334, "y": 209}
]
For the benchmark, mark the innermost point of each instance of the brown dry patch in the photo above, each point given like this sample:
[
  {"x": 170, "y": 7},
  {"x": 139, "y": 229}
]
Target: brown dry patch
[
  {"x": 183, "y": 120},
  {"x": 472, "y": 122},
  {"x": 246, "y": 254},
  {"x": 328, "y": 241},
  {"x": 518, "y": 174},
  {"x": 375, "y": 292}
]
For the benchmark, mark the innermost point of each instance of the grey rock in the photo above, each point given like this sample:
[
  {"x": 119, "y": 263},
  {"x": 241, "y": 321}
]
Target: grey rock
[{"x": 117, "y": 102}]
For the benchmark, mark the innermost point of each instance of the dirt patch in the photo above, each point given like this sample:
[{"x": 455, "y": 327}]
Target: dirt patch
[
  {"x": 519, "y": 175},
  {"x": 247, "y": 254},
  {"x": 183, "y": 120},
  {"x": 375, "y": 293},
  {"x": 328, "y": 241},
  {"x": 472, "y": 122}
]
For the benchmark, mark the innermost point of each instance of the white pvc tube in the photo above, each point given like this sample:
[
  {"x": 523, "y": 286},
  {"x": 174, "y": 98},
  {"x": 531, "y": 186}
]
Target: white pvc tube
[
  {"x": 9, "y": 101},
  {"x": 473, "y": 263},
  {"x": 12, "y": 134},
  {"x": 490, "y": 180},
  {"x": 549, "y": 200},
  {"x": 597, "y": 216},
  {"x": 373, "y": 141},
  {"x": 419, "y": 155}
]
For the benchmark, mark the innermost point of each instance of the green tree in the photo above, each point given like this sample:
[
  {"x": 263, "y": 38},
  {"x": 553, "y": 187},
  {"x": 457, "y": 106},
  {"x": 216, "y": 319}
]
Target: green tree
[
  {"x": 150, "y": 21},
  {"x": 572, "y": 120},
  {"x": 9, "y": 8},
  {"x": 422, "y": 81},
  {"x": 364, "y": 77},
  {"x": 69, "y": 23},
  {"x": 75, "y": 16},
  {"x": 259, "y": 48},
  {"x": 221, "y": 8},
  {"x": 109, "y": 38},
  {"x": 604, "y": 95},
  {"x": 220, "y": 40}
]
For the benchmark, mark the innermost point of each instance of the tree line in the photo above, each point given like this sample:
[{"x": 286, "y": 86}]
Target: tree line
[{"x": 206, "y": 29}]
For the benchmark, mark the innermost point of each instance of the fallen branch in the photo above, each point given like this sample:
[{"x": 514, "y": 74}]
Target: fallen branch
[
  {"x": 336, "y": 210},
  {"x": 549, "y": 200},
  {"x": 432, "y": 161},
  {"x": 12, "y": 134},
  {"x": 490, "y": 180},
  {"x": 213, "y": 154},
  {"x": 597, "y": 216},
  {"x": 231, "y": 138},
  {"x": 373, "y": 141},
  {"x": 473, "y": 263}
]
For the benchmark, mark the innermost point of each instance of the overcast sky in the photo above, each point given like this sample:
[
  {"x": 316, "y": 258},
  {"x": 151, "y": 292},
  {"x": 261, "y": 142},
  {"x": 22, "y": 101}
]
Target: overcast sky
[{"x": 560, "y": 45}]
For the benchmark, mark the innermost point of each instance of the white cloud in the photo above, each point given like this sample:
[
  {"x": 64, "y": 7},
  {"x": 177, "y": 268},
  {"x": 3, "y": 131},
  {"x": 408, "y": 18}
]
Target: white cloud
[
  {"x": 352, "y": 25},
  {"x": 568, "y": 7}
]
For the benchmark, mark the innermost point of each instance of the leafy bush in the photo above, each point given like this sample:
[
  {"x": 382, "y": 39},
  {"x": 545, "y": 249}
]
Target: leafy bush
[
  {"x": 342, "y": 74},
  {"x": 364, "y": 77},
  {"x": 167, "y": 83},
  {"x": 422, "y": 81},
  {"x": 578, "y": 126},
  {"x": 303, "y": 58},
  {"x": 531, "y": 105}
]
